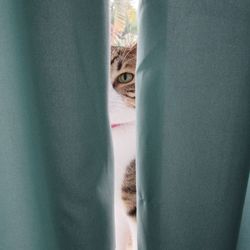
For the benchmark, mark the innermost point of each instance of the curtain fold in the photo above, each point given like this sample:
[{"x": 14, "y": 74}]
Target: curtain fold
[
  {"x": 193, "y": 140},
  {"x": 244, "y": 235},
  {"x": 56, "y": 167},
  {"x": 193, "y": 111}
]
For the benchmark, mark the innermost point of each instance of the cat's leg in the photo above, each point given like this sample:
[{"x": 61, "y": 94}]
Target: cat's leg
[{"x": 121, "y": 228}]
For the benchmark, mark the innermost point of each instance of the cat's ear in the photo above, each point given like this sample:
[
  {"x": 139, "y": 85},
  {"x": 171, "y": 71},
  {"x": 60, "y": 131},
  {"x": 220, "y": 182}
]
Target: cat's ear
[
  {"x": 130, "y": 52},
  {"x": 133, "y": 49}
]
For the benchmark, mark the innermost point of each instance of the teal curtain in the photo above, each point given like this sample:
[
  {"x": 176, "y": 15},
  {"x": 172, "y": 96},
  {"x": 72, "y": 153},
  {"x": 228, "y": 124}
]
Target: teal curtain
[
  {"x": 193, "y": 107},
  {"x": 193, "y": 89},
  {"x": 244, "y": 235},
  {"x": 56, "y": 172}
]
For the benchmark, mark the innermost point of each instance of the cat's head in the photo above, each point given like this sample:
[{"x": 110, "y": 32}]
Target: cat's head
[{"x": 122, "y": 87}]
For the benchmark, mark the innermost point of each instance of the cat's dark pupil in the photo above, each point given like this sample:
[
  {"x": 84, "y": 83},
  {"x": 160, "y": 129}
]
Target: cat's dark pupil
[{"x": 125, "y": 77}]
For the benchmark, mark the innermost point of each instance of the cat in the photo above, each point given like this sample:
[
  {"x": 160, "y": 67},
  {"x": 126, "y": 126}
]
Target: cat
[{"x": 122, "y": 118}]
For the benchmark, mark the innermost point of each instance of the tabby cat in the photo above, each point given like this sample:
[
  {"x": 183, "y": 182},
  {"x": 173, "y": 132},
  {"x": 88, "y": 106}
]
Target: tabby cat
[{"x": 122, "y": 118}]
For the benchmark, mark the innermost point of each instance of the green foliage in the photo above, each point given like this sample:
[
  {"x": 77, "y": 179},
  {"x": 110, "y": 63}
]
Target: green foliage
[{"x": 123, "y": 23}]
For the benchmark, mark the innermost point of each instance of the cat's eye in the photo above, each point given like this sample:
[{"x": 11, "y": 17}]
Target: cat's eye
[{"x": 125, "y": 77}]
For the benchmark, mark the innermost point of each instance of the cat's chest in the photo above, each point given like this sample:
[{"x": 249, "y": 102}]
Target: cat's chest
[{"x": 124, "y": 143}]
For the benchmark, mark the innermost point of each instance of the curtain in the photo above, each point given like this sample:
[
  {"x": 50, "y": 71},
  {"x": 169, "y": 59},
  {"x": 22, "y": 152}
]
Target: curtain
[
  {"x": 193, "y": 109},
  {"x": 244, "y": 235},
  {"x": 56, "y": 173},
  {"x": 193, "y": 137}
]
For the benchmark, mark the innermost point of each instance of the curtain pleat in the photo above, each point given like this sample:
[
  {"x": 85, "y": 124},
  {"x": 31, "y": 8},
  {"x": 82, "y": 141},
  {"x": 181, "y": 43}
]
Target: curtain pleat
[
  {"x": 193, "y": 110},
  {"x": 244, "y": 235},
  {"x": 56, "y": 167},
  {"x": 193, "y": 140}
]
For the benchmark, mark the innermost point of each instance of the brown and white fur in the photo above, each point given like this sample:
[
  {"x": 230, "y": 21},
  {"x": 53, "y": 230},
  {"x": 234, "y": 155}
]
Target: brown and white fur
[{"x": 123, "y": 118}]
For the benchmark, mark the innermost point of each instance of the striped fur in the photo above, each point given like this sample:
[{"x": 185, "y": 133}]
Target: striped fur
[{"x": 129, "y": 189}]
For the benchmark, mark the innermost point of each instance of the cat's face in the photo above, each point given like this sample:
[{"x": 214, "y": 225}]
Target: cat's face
[{"x": 122, "y": 87}]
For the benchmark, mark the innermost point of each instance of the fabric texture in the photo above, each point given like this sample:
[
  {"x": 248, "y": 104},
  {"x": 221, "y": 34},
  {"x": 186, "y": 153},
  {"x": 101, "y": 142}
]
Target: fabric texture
[
  {"x": 56, "y": 170},
  {"x": 193, "y": 113},
  {"x": 193, "y": 140}
]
